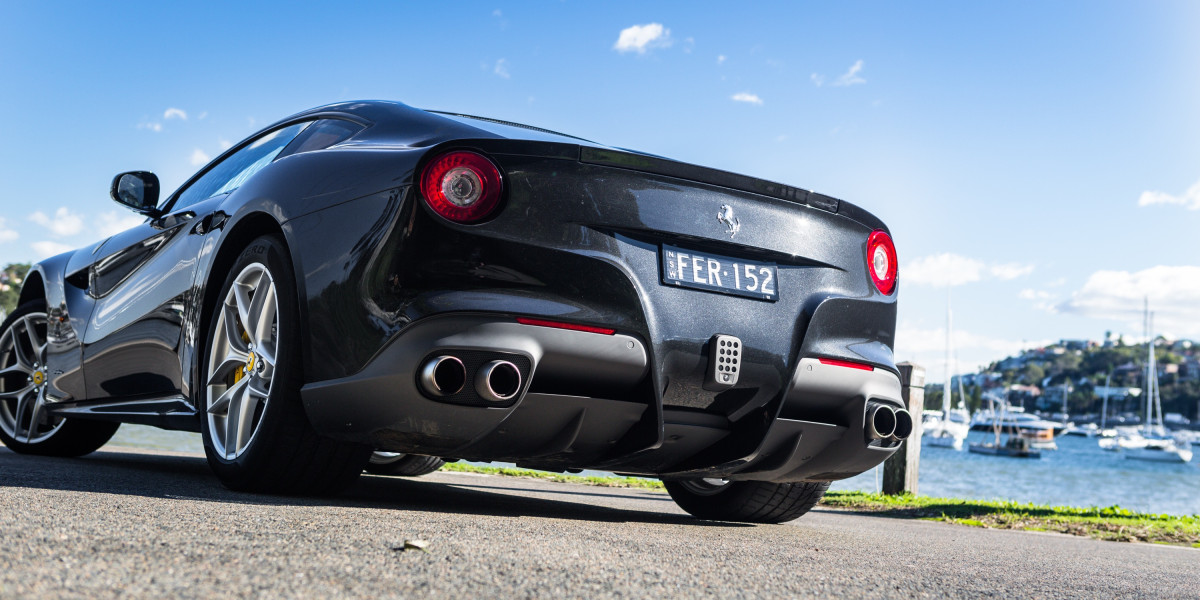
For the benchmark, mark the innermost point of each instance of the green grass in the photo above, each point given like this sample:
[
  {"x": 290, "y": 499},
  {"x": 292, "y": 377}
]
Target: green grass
[
  {"x": 621, "y": 482},
  {"x": 1111, "y": 523}
]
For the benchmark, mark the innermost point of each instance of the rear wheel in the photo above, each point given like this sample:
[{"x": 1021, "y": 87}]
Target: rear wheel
[
  {"x": 26, "y": 424},
  {"x": 256, "y": 435},
  {"x": 403, "y": 465},
  {"x": 748, "y": 501}
]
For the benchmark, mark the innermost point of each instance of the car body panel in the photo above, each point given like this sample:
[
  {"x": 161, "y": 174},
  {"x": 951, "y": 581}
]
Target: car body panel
[{"x": 577, "y": 239}]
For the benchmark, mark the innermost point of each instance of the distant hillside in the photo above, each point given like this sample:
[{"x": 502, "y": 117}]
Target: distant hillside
[{"x": 1036, "y": 378}]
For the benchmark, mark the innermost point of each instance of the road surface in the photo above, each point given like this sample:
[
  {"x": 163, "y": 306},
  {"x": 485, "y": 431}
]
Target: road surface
[{"x": 125, "y": 523}]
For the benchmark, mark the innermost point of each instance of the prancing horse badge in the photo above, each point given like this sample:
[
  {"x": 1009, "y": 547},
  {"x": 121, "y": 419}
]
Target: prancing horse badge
[{"x": 725, "y": 215}]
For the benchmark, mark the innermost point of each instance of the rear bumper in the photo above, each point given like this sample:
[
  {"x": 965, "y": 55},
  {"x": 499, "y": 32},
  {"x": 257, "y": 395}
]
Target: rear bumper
[{"x": 815, "y": 432}]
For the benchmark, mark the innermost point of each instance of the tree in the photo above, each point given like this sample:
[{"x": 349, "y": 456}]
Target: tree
[{"x": 11, "y": 279}]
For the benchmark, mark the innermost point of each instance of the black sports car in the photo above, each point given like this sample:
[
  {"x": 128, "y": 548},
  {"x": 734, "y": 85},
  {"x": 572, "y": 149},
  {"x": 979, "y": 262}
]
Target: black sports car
[{"x": 369, "y": 277}]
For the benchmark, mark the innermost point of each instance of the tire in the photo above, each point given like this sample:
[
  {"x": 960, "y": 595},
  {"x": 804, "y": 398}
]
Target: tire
[
  {"x": 25, "y": 426},
  {"x": 403, "y": 465},
  {"x": 256, "y": 435},
  {"x": 746, "y": 501}
]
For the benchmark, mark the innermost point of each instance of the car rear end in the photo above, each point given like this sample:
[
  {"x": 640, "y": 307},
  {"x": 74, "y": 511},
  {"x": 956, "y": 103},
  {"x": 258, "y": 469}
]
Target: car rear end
[{"x": 618, "y": 311}]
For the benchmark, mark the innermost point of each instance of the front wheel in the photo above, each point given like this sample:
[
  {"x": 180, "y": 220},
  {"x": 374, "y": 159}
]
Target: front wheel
[
  {"x": 26, "y": 424},
  {"x": 746, "y": 501},
  {"x": 256, "y": 435}
]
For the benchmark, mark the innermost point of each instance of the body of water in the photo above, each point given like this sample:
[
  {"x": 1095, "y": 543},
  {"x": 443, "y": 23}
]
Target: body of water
[{"x": 1079, "y": 473}]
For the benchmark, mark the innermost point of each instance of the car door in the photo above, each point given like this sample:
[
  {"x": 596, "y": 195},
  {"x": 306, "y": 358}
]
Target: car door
[{"x": 143, "y": 281}]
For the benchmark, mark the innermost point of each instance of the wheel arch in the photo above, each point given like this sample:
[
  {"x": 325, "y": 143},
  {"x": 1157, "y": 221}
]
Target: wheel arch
[
  {"x": 241, "y": 233},
  {"x": 33, "y": 288}
]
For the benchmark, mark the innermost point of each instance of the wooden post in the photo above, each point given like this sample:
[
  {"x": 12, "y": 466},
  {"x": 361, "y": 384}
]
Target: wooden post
[{"x": 901, "y": 470}]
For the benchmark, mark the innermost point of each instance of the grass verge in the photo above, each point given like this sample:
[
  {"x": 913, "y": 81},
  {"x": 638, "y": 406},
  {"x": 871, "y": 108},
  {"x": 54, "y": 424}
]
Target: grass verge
[
  {"x": 621, "y": 482},
  {"x": 1112, "y": 523}
]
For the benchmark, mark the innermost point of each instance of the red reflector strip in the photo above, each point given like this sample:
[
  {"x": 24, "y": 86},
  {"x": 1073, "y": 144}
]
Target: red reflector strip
[
  {"x": 561, "y": 325},
  {"x": 833, "y": 362}
]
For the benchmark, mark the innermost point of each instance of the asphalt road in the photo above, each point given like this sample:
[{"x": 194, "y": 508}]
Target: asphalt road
[{"x": 123, "y": 523}]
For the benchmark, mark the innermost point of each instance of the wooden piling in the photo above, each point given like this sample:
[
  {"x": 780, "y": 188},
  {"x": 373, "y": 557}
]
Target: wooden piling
[{"x": 901, "y": 470}]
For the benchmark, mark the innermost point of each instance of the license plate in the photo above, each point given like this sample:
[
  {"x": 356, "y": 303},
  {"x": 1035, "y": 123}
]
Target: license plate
[{"x": 716, "y": 273}]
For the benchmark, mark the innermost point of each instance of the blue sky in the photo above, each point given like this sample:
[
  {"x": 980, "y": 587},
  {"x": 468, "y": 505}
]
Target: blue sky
[{"x": 1042, "y": 160}]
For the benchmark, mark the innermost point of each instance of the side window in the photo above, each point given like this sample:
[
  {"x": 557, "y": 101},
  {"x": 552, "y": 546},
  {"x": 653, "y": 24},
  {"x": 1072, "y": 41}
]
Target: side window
[
  {"x": 321, "y": 135},
  {"x": 236, "y": 168}
]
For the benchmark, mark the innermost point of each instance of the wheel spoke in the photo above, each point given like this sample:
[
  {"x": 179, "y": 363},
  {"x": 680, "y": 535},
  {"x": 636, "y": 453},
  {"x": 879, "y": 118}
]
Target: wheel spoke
[
  {"x": 266, "y": 352},
  {"x": 262, "y": 312},
  {"x": 239, "y": 423},
  {"x": 22, "y": 357},
  {"x": 233, "y": 359},
  {"x": 220, "y": 406},
  {"x": 22, "y": 408},
  {"x": 34, "y": 344},
  {"x": 35, "y": 415},
  {"x": 232, "y": 332},
  {"x": 17, "y": 393},
  {"x": 16, "y": 367},
  {"x": 259, "y": 387},
  {"x": 241, "y": 296}
]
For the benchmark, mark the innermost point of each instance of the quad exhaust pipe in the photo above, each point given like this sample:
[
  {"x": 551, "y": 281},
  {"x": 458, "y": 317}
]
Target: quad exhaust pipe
[
  {"x": 884, "y": 422},
  {"x": 443, "y": 376},
  {"x": 496, "y": 381}
]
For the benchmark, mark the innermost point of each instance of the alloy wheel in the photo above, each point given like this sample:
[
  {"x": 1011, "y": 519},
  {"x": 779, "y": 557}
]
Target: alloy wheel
[
  {"x": 705, "y": 487},
  {"x": 24, "y": 381},
  {"x": 241, "y": 363}
]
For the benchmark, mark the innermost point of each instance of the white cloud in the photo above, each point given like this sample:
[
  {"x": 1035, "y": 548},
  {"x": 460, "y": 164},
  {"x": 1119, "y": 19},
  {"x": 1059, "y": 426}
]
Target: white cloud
[
  {"x": 949, "y": 269},
  {"x": 199, "y": 157},
  {"x": 1189, "y": 200},
  {"x": 1009, "y": 271},
  {"x": 641, "y": 38},
  {"x": 6, "y": 234},
  {"x": 501, "y": 68},
  {"x": 112, "y": 223},
  {"x": 174, "y": 113},
  {"x": 1042, "y": 300},
  {"x": 942, "y": 270},
  {"x": 747, "y": 97},
  {"x": 851, "y": 77},
  {"x": 1173, "y": 293},
  {"x": 151, "y": 125},
  {"x": 63, "y": 223},
  {"x": 818, "y": 80},
  {"x": 46, "y": 248},
  {"x": 497, "y": 13},
  {"x": 203, "y": 115},
  {"x": 927, "y": 347},
  {"x": 721, "y": 59},
  {"x": 224, "y": 143}
]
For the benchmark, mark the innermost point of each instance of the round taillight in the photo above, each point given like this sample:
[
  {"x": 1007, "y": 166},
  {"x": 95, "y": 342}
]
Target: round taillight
[
  {"x": 461, "y": 186},
  {"x": 881, "y": 261}
]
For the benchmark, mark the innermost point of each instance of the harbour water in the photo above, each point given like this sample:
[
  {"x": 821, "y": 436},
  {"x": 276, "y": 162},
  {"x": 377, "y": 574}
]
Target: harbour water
[{"x": 1079, "y": 473}]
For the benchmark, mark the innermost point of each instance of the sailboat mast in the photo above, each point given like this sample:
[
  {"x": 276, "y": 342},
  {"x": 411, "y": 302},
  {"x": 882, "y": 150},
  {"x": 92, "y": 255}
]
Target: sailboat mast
[
  {"x": 1149, "y": 360},
  {"x": 947, "y": 391}
]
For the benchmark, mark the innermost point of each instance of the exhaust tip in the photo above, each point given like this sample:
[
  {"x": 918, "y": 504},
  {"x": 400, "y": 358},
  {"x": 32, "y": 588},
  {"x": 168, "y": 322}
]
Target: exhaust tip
[
  {"x": 881, "y": 421},
  {"x": 904, "y": 425},
  {"x": 498, "y": 381},
  {"x": 443, "y": 376}
]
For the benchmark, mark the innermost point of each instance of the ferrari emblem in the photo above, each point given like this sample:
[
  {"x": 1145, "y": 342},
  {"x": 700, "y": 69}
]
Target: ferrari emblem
[{"x": 725, "y": 216}]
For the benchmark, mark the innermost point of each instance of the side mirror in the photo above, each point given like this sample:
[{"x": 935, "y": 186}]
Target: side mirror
[{"x": 137, "y": 191}]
